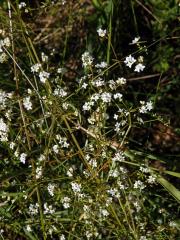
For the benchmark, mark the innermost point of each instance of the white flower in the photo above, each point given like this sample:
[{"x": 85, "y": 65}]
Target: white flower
[
  {"x": 121, "y": 81},
  {"x": 139, "y": 67},
  {"x": 135, "y": 40},
  {"x": 23, "y": 157},
  {"x": 56, "y": 149},
  {"x": 114, "y": 192},
  {"x": 38, "y": 172},
  {"x": 70, "y": 172},
  {"x": 36, "y": 67},
  {"x": 66, "y": 202},
  {"x": 117, "y": 127},
  {"x": 60, "y": 92},
  {"x": 87, "y": 59},
  {"x": 3, "y": 131},
  {"x": 62, "y": 237},
  {"x": 118, "y": 96},
  {"x": 112, "y": 84},
  {"x": 87, "y": 106},
  {"x": 119, "y": 157},
  {"x": 12, "y": 145},
  {"x": 50, "y": 189},
  {"x": 22, "y": 5},
  {"x": 3, "y": 57},
  {"x": 151, "y": 179},
  {"x": 44, "y": 57},
  {"x": 27, "y": 103},
  {"x": 60, "y": 70},
  {"x": 84, "y": 85},
  {"x": 145, "y": 107},
  {"x": 129, "y": 61},
  {"x": 28, "y": 228},
  {"x": 98, "y": 82},
  {"x": 149, "y": 106},
  {"x": 44, "y": 76},
  {"x": 144, "y": 169},
  {"x": 48, "y": 209},
  {"x": 101, "y": 65},
  {"x": 33, "y": 209},
  {"x": 7, "y": 42},
  {"x": 95, "y": 97},
  {"x": 42, "y": 158},
  {"x": 76, "y": 187},
  {"x": 106, "y": 97},
  {"x": 139, "y": 185},
  {"x": 115, "y": 116},
  {"x": 101, "y": 32}
]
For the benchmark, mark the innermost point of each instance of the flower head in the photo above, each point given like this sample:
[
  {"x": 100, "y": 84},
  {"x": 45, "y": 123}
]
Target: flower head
[{"x": 129, "y": 61}]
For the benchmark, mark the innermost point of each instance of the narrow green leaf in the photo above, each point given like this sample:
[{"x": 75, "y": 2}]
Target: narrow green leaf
[
  {"x": 175, "y": 174},
  {"x": 169, "y": 187}
]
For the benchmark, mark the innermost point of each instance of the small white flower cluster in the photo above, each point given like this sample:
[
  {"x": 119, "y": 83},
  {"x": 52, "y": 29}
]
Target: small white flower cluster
[
  {"x": 22, "y": 5},
  {"x": 60, "y": 92},
  {"x": 4, "y": 129},
  {"x": 114, "y": 172},
  {"x": 38, "y": 172},
  {"x": 118, "y": 96},
  {"x": 119, "y": 82},
  {"x": 139, "y": 185},
  {"x": 43, "y": 75},
  {"x": 36, "y": 68},
  {"x": 91, "y": 161},
  {"x": 145, "y": 106},
  {"x": 76, "y": 187},
  {"x": 137, "y": 206},
  {"x": 4, "y": 43},
  {"x": 143, "y": 238},
  {"x": 119, "y": 157},
  {"x": 129, "y": 61},
  {"x": 139, "y": 67},
  {"x": 44, "y": 57},
  {"x": 48, "y": 209},
  {"x": 114, "y": 192},
  {"x": 62, "y": 141},
  {"x": 52, "y": 229},
  {"x": 144, "y": 169},
  {"x": 23, "y": 158},
  {"x": 101, "y": 32},
  {"x": 99, "y": 82},
  {"x": 33, "y": 209},
  {"x": 70, "y": 172},
  {"x": 28, "y": 228},
  {"x": 61, "y": 70},
  {"x": 103, "y": 213},
  {"x": 27, "y": 103},
  {"x": 151, "y": 179},
  {"x": 55, "y": 148},
  {"x": 66, "y": 202},
  {"x": 101, "y": 65},
  {"x": 87, "y": 59},
  {"x": 118, "y": 126},
  {"x": 135, "y": 40},
  {"x": 63, "y": 2},
  {"x": 51, "y": 188},
  {"x": 106, "y": 97},
  {"x": 4, "y": 97}
]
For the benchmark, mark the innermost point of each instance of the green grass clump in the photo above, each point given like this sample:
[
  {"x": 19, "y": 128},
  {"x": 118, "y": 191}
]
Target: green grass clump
[{"x": 87, "y": 150}]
